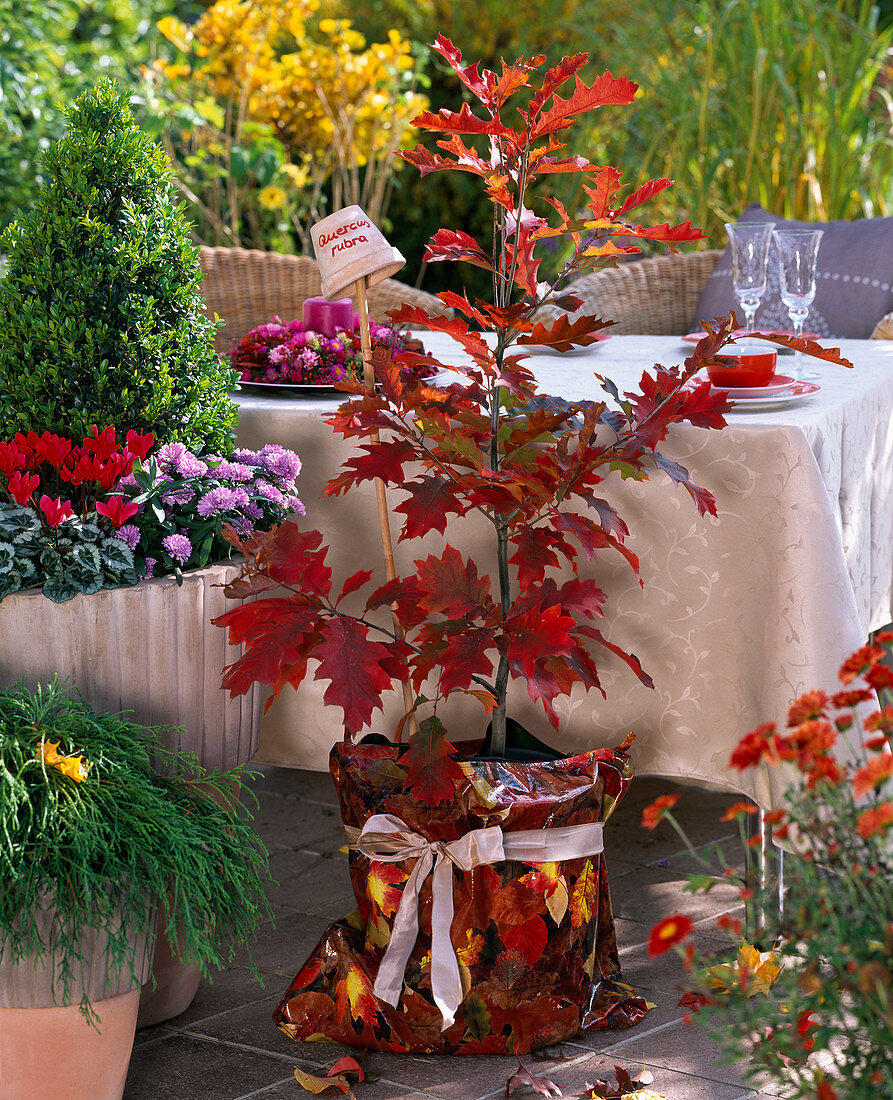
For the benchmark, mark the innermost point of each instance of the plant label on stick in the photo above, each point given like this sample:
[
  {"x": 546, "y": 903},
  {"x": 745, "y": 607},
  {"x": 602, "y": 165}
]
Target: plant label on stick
[
  {"x": 352, "y": 254},
  {"x": 348, "y": 248}
]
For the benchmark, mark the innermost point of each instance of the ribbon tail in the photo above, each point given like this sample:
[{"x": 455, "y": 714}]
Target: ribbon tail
[
  {"x": 389, "y": 980},
  {"x": 446, "y": 983}
]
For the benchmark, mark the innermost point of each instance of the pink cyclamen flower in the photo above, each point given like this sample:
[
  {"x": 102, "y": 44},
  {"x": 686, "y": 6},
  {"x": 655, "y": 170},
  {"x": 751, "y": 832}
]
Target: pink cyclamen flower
[
  {"x": 116, "y": 510},
  {"x": 22, "y": 486},
  {"x": 56, "y": 511}
]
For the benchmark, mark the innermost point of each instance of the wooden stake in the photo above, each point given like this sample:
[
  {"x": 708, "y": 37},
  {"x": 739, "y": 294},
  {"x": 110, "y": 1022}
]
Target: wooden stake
[{"x": 380, "y": 490}]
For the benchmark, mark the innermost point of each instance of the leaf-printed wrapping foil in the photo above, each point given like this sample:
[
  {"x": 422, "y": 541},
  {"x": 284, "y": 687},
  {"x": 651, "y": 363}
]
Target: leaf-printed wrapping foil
[{"x": 535, "y": 942}]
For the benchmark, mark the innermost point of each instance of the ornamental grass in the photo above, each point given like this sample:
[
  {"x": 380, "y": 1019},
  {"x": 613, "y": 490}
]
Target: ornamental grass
[{"x": 90, "y": 829}]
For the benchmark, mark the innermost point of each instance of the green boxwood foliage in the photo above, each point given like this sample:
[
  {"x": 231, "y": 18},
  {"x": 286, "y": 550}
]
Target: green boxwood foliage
[
  {"x": 116, "y": 841},
  {"x": 100, "y": 317}
]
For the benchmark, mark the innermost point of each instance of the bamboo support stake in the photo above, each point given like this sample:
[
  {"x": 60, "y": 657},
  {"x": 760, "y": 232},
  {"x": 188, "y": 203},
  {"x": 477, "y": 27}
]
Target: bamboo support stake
[{"x": 380, "y": 490}]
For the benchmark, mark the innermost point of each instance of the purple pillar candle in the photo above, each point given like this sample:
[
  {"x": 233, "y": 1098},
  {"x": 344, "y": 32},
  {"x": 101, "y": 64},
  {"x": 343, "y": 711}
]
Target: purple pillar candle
[{"x": 326, "y": 317}]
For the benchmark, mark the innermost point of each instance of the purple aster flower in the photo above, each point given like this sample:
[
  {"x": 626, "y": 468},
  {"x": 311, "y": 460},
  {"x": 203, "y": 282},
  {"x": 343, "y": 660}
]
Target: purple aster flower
[
  {"x": 215, "y": 501},
  {"x": 150, "y": 569},
  {"x": 170, "y": 455},
  {"x": 297, "y": 506},
  {"x": 280, "y": 462},
  {"x": 270, "y": 492},
  {"x": 252, "y": 510},
  {"x": 128, "y": 481},
  {"x": 190, "y": 466},
  {"x": 129, "y": 533},
  {"x": 249, "y": 458},
  {"x": 232, "y": 471},
  {"x": 178, "y": 546},
  {"x": 179, "y": 496}
]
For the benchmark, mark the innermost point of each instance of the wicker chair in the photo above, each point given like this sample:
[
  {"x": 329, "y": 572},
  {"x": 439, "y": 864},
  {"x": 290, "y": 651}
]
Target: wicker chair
[
  {"x": 246, "y": 287},
  {"x": 657, "y": 296},
  {"x": 654, "y": 296}
]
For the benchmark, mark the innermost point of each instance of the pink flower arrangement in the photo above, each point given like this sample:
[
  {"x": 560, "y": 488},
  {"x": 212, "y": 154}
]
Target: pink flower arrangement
[{"x": 286, "y": 354}]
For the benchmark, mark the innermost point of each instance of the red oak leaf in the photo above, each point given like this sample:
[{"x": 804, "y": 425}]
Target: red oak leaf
[
  {"x": 430, "y": 771},
  {"x": 537, "y": 633},
  {"x": 454, "y": 244},
  {"x": 563, "y": 334},
  {"x": 479, "y": 84},
  {"x": 605, "y": 89},
  {"x": 383, "y": 460},
  {"x": 355, "y": 581},
  {"x": 523, "y": 1078},
  {"x": 450, "y": 585},
  {"x": 383, "y": 883},
  {"x": 352, "y": 662},
  {"x": 292, "y": 557},
  {"x": 431, "y": 500},
  {"x": 643, "y": 194}
]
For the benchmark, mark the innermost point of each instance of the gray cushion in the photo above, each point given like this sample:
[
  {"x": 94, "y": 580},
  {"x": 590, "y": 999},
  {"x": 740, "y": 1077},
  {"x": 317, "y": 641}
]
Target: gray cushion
[{"x": 854, "y": 280}]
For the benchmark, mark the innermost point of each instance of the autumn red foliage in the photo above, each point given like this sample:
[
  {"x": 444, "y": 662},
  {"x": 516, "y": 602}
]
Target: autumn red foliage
[{"x": 538, "y": 468}]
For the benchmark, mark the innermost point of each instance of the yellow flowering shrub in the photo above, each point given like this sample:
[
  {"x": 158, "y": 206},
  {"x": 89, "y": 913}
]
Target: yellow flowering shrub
[{"x": 337, "y": 106}]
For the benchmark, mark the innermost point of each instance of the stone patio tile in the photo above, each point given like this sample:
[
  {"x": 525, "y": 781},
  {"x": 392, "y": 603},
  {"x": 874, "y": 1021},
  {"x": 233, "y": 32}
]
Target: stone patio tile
[
  {"x": 281, "y": 950},
  {"x": 178, "y": 1067},
  {"x": 311, "y": 884},
  {"x": 314, "y": 786}
]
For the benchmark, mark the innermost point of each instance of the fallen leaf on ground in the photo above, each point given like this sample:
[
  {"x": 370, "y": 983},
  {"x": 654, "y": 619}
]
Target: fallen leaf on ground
[
  {"x": 317, "y": 1085},
  {"x": 753, "y": 971},
  {"x": 625, "y": 1088},
  {"x": 694, "y": 1001},
  {"x": 541, "y": 1085}
]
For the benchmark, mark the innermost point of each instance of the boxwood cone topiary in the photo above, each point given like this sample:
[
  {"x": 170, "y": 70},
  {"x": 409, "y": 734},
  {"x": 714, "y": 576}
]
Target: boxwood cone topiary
[{"x": 101, "y": 321}]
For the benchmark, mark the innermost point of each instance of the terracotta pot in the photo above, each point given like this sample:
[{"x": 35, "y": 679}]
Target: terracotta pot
[
  {"x": 534, "y": 941},
  {"x": 54, "y": 1052},
  {"x": 152, "y": 651},
  {"x": 47, "y": 1047}
]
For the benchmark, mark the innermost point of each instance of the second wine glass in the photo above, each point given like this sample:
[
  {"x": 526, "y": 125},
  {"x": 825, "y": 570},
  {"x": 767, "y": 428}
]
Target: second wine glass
[
  {"x": 750, "y": 252},
  {"x": 798, "y": 251}
]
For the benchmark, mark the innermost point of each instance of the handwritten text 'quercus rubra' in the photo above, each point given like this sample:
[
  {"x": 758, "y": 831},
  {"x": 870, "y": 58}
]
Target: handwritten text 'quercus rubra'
[{"x": 339, "y": 239}]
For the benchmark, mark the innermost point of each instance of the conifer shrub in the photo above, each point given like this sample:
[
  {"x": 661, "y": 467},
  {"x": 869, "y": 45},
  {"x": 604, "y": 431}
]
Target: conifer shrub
[{"x": 101, "y": 321}]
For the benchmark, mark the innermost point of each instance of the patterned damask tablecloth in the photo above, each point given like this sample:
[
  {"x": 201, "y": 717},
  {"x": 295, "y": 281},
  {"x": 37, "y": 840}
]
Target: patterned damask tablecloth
[{"x": 738, "y": 613}]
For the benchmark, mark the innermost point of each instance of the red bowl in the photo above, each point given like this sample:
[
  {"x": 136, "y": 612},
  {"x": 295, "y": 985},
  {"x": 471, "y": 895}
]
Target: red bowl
[{"x": 750, "y": 367}]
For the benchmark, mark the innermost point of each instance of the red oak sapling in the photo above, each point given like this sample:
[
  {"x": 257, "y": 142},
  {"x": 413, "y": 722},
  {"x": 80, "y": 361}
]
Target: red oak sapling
[{"x": 532, "y": 465}]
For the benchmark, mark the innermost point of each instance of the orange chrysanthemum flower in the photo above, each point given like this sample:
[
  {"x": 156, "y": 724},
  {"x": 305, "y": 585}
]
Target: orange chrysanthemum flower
[
  {"x": 810, "y": 705},
  {"x": 666, "y": 933},
  {"x": 653, "y": 814},
  {"x": 737, "y": 809},
  {"x": 877, "y": 769},
  {"x": 858, "y": 663},
  {"x": 760, "y": 744}
]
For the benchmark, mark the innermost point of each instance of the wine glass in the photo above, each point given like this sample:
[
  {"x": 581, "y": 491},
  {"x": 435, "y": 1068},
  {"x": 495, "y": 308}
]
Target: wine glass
[
  {"x": 750, "y": 253},
  {"x": 798, "y": 250}
]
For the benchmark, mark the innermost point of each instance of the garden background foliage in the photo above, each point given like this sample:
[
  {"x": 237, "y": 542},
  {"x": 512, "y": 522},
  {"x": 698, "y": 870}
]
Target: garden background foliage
[{"x": 782, "y": 102}]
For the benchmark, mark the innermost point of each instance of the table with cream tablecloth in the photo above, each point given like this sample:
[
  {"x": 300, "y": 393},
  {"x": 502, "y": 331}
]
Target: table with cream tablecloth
[{"x": 738, "y": 613}]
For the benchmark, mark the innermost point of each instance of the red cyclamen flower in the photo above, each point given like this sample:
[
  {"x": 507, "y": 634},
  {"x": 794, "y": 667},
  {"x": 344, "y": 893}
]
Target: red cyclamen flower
[
  {"x": 55, "y": 510},
  {"x": 102, "y": 444},
  {"x": 140, "y": 445},
  {"x": 21, "y": 486},
  {"x": 52, "y": 449},
  {"x": 116, "y": 510},
  {"x": 666, "y": 933},
  {"x": 11, "y": 459}
]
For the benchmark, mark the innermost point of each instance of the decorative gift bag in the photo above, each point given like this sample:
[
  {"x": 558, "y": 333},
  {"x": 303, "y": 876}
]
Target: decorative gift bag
[{"x": 483, "y": 924}]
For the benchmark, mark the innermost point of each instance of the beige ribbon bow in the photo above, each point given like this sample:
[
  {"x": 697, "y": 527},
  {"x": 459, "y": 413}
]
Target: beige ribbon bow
[{"x": 386, "y": 838}]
